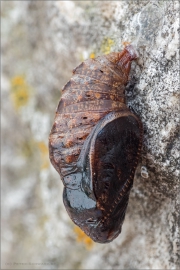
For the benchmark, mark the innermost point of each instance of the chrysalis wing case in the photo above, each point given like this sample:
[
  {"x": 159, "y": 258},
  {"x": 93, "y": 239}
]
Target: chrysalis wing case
[{"x": 95, "y": 143}]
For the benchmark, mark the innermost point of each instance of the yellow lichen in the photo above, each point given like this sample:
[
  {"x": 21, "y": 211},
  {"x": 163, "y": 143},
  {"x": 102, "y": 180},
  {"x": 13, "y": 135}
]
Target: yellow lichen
[
  {"x": 18, "y": 80},
  {"x": 27, "y": 148},
  {"x": 20, "y": 91},
  {"x": 83, "y": 238},
  {"x": 92, "y": 55},
  {"x": 44, "y": 157},
  {"x": 32, "y": 147},
  {"x": 107, "y": 45}
]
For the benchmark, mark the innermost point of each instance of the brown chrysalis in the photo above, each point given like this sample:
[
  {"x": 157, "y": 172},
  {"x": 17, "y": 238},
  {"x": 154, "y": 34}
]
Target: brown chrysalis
[{"x": 95, "y": 143}]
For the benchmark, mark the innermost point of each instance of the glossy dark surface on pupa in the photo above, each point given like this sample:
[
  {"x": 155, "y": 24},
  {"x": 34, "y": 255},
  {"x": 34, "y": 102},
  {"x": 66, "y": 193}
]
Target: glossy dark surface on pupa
[{"x": 95, "y": 144}]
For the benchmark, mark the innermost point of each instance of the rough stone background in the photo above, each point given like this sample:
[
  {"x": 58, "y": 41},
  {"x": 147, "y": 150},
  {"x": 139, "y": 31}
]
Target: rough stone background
[{"x": 42, "y": 41}]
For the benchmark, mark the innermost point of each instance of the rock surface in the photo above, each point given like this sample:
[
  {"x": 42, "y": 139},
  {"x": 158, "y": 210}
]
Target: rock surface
[{"x": 42, "y": 42}]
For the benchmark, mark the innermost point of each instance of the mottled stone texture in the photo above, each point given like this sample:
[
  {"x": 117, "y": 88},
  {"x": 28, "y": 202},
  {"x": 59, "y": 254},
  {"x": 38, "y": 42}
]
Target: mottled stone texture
[{"x": 44, "y": 41}]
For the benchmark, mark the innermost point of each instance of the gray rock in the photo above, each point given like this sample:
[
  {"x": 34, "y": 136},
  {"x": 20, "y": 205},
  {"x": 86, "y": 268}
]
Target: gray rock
[{"x": 44, "y": 41}]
